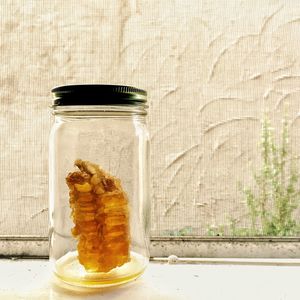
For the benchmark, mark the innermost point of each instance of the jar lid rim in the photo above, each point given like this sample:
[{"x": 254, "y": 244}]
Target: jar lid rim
[{"x": 98, "y": 94}]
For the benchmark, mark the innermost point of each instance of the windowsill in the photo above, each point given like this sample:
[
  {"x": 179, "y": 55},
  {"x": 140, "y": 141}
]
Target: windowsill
[{"x": 29, "y": 279}]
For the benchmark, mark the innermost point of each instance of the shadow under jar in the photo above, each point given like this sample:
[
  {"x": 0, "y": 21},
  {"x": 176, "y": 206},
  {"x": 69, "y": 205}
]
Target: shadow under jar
[{"x": 98, "y": 185}]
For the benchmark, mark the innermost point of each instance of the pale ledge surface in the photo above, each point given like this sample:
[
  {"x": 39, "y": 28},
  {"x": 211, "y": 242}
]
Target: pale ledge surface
[{"x": 29, "y": 279}]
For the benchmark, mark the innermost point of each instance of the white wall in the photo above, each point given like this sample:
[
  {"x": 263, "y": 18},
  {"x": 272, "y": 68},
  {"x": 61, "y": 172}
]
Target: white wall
[{"x": 210, "y": 68}]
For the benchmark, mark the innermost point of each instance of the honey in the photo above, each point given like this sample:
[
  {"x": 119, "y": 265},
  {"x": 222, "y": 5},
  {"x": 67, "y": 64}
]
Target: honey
[{"x": 100, "y": 214}]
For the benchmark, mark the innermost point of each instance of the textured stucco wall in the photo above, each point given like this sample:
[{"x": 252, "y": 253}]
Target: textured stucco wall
[{"x": 210, "y": 67}]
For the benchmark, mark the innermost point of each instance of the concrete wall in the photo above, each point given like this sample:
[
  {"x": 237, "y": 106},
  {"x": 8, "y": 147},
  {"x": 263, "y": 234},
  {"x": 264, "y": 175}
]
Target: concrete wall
[{"x": 210, "y": 67}]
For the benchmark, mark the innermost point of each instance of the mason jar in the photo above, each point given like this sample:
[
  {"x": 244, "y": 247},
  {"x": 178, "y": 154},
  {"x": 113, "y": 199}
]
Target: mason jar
[{"x": 98, "y": 182}]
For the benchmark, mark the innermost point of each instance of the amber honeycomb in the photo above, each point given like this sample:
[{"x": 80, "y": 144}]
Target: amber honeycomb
[{"x": 100, "y": 214}]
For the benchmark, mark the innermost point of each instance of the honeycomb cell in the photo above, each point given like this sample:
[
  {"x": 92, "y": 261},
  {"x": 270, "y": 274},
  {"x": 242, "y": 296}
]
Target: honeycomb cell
[{"x": 99, "y": 210}]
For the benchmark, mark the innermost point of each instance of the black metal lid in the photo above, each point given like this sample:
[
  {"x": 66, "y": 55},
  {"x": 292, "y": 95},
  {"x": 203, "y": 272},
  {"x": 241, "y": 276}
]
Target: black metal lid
[{"x": 98, "y": 94}]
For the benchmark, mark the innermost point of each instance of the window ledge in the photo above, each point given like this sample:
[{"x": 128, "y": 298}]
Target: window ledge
[
  {"x": 213, "y": 247},
  {"x": 29, "y": 279}
]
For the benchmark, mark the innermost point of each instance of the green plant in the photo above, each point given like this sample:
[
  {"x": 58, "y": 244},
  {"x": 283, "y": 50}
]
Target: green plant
[
  {"x": 187, "y": 230},
  {"x": 272, "y": 203},
  {"x": 216, "y": 230}
]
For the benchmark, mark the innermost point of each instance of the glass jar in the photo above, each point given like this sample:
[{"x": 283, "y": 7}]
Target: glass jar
[{"x": 99, "y": 209}]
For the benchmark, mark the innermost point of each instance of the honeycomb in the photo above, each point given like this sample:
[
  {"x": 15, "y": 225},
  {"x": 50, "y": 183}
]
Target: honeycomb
[{"x": 100, "y": 214}]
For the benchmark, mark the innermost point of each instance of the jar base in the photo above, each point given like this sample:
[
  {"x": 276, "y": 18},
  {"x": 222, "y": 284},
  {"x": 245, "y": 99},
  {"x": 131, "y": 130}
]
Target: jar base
[{"x": 70, "y": 271}]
